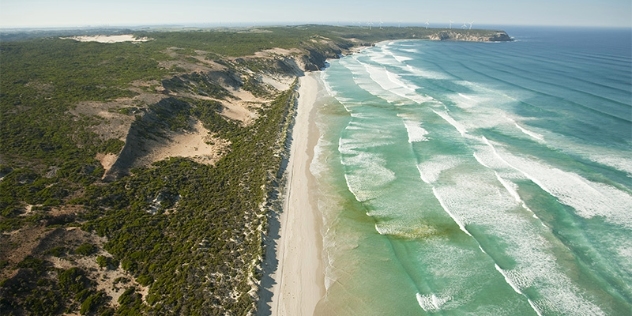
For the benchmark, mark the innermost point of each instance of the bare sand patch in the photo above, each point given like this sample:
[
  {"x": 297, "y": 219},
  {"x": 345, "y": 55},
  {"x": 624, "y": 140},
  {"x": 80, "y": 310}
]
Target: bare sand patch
[
  {"x": 238, "y": 112},
  {"x": 116, "y": 123},
  {"x": 109, "y": 38},
  {"x": 196, "y": 143},
  {"x": 246, "y": 96},
  {"x": 106, "y": 160},
  {"x": 277, "y": 51},
  {"x": 279, "y": 83}
]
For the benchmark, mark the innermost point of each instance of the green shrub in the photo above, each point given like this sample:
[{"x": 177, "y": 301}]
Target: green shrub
[
  {"x": 86, "y": 249},
  {"x": 92, "y": 303},
  {"x": 73, "y": 281},
  {"x": 144, "y": 280},
  {"x": 58, "y": 251},
  {"x": 30, "y": 262},
  {"x": 106, "y": 262}
]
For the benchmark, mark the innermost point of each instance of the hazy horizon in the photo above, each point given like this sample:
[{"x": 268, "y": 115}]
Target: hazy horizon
[{"x": 117, "y": 13}]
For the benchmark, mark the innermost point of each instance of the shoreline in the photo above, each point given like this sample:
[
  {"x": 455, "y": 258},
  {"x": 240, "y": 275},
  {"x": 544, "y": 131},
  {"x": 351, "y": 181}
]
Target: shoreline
[{"x": 299, "y": 282}]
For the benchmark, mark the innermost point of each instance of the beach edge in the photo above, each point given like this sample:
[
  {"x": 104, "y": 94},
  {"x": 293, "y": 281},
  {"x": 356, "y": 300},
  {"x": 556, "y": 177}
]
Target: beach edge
[{"x": 299, "y": 281}]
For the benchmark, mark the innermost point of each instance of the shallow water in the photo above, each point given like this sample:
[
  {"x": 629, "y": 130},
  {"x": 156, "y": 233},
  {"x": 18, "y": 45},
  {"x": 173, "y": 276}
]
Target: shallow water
[{"x": 482, "y": 178}]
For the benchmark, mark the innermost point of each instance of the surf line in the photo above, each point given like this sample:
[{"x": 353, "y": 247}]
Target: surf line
[
  {"x": 514, "y": 193},
  {"x": 516, "y": 288},
  {"x": 464, "y": 229}
]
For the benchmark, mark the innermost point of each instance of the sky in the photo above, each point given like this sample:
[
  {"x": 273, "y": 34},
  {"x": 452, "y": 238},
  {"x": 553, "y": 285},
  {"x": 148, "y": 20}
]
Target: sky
[{"x": 439, "y": 13}]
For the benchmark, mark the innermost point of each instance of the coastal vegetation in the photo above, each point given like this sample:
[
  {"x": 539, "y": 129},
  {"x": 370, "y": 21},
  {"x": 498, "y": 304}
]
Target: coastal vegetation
[{"x": 169, "y": 236}]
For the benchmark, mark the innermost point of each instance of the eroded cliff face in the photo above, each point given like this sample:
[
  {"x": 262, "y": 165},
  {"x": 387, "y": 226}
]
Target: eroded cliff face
[
  {"x": 237, "y": 89},
  {"x": 471, "y": 36}
]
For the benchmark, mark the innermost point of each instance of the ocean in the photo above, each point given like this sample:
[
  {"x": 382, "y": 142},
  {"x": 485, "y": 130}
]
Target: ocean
[{"x": 479, "y": 178}]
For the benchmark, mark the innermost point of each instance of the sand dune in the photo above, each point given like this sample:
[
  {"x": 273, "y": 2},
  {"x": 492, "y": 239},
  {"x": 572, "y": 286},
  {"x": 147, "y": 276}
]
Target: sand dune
[{"x": 108, "y": 38}]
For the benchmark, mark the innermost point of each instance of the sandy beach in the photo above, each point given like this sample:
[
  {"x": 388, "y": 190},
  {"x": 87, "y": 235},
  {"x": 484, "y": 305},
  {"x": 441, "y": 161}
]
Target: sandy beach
[{"x": 299, "y": 279}]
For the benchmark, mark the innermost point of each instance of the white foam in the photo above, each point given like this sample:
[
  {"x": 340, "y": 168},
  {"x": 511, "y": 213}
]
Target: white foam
[
  {"x": 355, "y": 114},
  {"x": 402, "y": 228},
  {"x": 381, "y": 57},
  {"x": 480, "y": 160},
  {"x": 363, "y": 138},
  {"x": 484, "y": 112},
  {"x": 488, "y": 159},
  {"x": 534, "y": 307},
  {"x": 371, "y": 174},
  {"x": 323, "y": 78},
  {"x": 473, "y": 200},
  {"x": 619, "y": 159},
  {"x": 430, "y": 170},
  {"x": 625, "y": 250},
  {"x": 402, "y": 59},
  {"x": 394, "y": 84},
  {"x": 508, "y": 280},
  {"x": 459, "y": 127},
  {"x": 447, "y": 210},
  {"x": 510, "y": 187},
  {"x": 589, "y": 199},
  {"x": 481, "y": 249},
  {"x": 464, "y": 101},
  {"x": 623, "y": 254},
  {"x": 380, "y": 230},
  {"x": 382, "y": 83},
  {"x": 477, "y": 198},
  {"x": 416, "y": 133},
  {"x": 431, "y": 303},
  {"x": 317, "y": 167},
  {"x": 465, "y": 96},
  {"x": 399, "y": 58},
  {"x": 347, "y": 101},
  {"x": 427, "y": 74},
  {"x": 534, "y": 135},
  {"x": 498, "y": 95},
  {"x": 366, "y": 83},
  {"x": 495, "y": 152},
  {"x": 422, "y": 175},
  {"x": 612, "y": 159}
]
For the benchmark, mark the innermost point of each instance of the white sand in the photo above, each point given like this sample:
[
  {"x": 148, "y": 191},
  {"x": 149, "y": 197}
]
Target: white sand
[
  {"x": 108, "y": 38},
  {"x": 192, "y": 144},
  {"x": 106, "y": 160},
  {"x": 300, "y": 276}
]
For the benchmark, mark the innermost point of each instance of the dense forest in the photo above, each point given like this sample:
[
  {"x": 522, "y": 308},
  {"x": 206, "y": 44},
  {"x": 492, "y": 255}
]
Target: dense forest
[{"x": 169, "y": 236}]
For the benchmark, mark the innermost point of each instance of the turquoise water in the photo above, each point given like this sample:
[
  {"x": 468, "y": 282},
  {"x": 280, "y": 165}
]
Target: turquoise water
[{"x": 479, "y": 178}]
